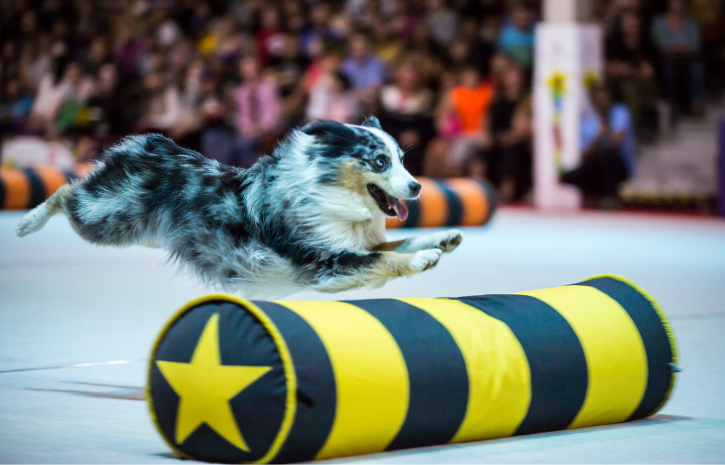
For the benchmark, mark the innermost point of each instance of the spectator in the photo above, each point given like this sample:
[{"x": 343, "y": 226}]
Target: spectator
[
  {"x": 127, "y": 51},
  {"x": 60, "y": 95},
  {"x": 365, "y": 72},
  {"x": 629, "y": 67},
  {"x": 109, "y": 105},
  {"x": 289, "y": 69},
  {"x": 462, "y": 122},
  {"x": 442, "y": 22},
  {"x": 217, "y": 140},
  {"x": 677, "y": 38},
  {"x": 517, "y": 36},
  {"x": 319, "y": 29},
  {"x": 405, "y": 112},
  {"x": 270, "y": 40},
  {"x": 162, "y": 107},
  {"x": 607, "y": 138},
  {"x": 507, "y": 163},
  {"x": 331, "y": 98},
  {"x": 257, "y": 115},
  {"x": 14, "y": 108}
]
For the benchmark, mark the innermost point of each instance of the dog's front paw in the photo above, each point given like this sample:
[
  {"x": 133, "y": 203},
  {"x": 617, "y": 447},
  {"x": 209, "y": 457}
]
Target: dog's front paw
[
  {"x": 450, "y": 240},
  {"x": 425, "y": 260}
]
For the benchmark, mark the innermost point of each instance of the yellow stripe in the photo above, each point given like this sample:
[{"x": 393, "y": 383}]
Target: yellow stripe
[
  {"x": 499, "y": 379},
  {"x": 665, "y": 323},
  {"x": 370, "y": 376},
  {"x": 616, "y": 359}
]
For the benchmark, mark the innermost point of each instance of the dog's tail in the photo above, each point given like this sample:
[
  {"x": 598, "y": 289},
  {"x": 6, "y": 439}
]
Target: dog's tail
[{"x": 36, "y": 218}]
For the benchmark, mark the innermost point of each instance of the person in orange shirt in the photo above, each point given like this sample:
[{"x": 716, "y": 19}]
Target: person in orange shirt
[{"x": 462, "y": 125}]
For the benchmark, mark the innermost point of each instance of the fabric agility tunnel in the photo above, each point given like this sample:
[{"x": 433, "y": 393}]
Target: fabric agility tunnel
[
  {"x": 24, "y": 188},
  {"x": 237, "y": 381},
  {"x": 449, "y": 202}
]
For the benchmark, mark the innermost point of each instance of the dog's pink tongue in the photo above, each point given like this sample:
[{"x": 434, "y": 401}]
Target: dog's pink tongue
[{"x": 400, "y": 209}]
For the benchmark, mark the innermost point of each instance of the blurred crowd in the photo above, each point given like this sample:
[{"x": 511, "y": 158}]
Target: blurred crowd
[{"x": 449, "y": 79}]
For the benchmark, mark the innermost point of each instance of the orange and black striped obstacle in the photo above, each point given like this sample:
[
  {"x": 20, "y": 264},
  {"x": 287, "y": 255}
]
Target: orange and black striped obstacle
[
  {"x": 29, "y": 187},
  {"x": 232, "y": 380},
  {"x": 442, "y": 202},
  {"x": 449, "y": 202}
]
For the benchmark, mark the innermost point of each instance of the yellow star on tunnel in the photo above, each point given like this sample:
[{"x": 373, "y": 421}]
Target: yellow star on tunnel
[{"x": 205, "y": 387}]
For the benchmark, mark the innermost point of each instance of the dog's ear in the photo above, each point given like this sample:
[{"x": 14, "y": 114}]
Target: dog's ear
[
  {"x": 336, "y": 139},
  {"x": 372, "y": 122}
]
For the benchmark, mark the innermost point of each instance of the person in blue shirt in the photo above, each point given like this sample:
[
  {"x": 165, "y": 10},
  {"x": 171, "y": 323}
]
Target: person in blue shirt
[
  {"x": 608, "y": 145},
  {"x": 516, "y": 39},
  {"x": 364, "y": 70},
  {"x": 15, "y": 108}
]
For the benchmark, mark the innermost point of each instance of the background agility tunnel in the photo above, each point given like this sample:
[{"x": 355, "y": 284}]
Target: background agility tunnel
[
  {"x": 449, "y": 202},
  {"x": 29, "y": 187},
  {"x": 238, "y": 381}
]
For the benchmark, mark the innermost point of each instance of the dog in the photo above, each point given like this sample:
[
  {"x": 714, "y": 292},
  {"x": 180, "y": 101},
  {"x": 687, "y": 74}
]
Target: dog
[{"x": 310, "y": 216}]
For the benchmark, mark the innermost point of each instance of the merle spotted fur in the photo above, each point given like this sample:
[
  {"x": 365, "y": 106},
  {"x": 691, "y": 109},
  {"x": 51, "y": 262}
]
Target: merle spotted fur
[{"x": 299, "y": 218}]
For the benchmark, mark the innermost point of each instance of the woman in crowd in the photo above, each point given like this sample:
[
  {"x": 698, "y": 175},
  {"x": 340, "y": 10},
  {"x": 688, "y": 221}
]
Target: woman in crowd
[
  {"x": 462, "y": 126},
  {"x": 405, "y": 112},
  {"x": 507, "y": 162},
  {"x": 257, "y": 114}
]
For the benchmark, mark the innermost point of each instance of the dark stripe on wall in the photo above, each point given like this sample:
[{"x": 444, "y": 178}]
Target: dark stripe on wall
[
  {"x": 413, "y": 214},
  {"x": 438, "y": 391},
  {"x": 654, "y": 336},
  {"x": 316, "y": 390},
  {"x": 37, "y": 188},
  {"x": 455, "y": 207},
  {"x": 555, "y": 356}
]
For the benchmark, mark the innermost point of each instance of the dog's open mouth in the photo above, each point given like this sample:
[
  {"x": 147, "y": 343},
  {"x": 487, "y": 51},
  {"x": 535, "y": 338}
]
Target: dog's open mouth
[{"x": 387, "y": 203}]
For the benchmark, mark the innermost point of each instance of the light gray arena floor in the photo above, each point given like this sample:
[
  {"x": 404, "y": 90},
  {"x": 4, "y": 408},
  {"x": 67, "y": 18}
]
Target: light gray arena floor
[{"x": 77, "y": 323}]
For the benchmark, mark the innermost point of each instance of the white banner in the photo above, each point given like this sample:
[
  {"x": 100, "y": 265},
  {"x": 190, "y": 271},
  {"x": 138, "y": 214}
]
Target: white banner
[{"x": 567, "y": 56}]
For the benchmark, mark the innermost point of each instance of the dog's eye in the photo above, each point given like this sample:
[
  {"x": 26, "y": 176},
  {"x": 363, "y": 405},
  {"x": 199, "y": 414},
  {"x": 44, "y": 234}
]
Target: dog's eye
[{"x": 381, "y": 162}]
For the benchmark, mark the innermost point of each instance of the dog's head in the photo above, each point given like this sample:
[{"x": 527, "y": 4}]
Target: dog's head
[{"x": 364, "y": 160}]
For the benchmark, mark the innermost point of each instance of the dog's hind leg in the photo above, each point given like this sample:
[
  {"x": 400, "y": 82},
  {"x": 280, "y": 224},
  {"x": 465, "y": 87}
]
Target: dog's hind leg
[{"x": 36, "y": 218}]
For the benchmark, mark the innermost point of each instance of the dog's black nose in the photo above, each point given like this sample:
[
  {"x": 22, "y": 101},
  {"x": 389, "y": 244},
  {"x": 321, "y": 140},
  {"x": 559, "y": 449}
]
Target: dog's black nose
[{"x": 414, "y": 188}]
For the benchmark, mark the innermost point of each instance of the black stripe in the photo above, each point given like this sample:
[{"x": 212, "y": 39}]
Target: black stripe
[
  {"x": 491, "y": 197},
  {"x": 3, "y": 192},
  {"x": 413, "y": 214},
  {"x": 438, "y": 385},
  {"x": 37, "y": 188},
  {"x": 70, "y": 176},
  {"x": 258, "y": 409},
  {"x": 455, "y": 206},
  {"x": 654, "y": 337},
  {"x": 316, "y": 390},
  {"x": 556, "y": 359}
]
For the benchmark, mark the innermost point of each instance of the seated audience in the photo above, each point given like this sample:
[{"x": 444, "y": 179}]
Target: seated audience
[
  {"x": 332, "y": 98},
  {"x": 462, "y": 124},
  {"x": 405, "y": 112},
  {"x": 677, "y": 38},
  {"x": 608, "y": 144},
  {"x": 15, "y": 106},
  {"x": 507, "y": 163},
  {"x": 162, "y": 108},
  {"x": 364, "y": 70},
  {"x": 629, "y": 67},
  {"x": 517, "y": 36},
  {"x": 257, "y": 116}
]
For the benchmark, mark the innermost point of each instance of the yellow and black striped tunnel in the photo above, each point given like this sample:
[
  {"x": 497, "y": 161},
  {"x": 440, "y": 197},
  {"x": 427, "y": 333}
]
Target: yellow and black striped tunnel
[
  {"x": 449, "y": 202},
  {"x": 238, "y": 381}
]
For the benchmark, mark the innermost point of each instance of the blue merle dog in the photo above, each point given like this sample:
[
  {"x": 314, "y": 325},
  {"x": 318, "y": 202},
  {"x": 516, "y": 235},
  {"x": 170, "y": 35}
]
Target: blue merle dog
[{"x": 311, "y": 216}]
